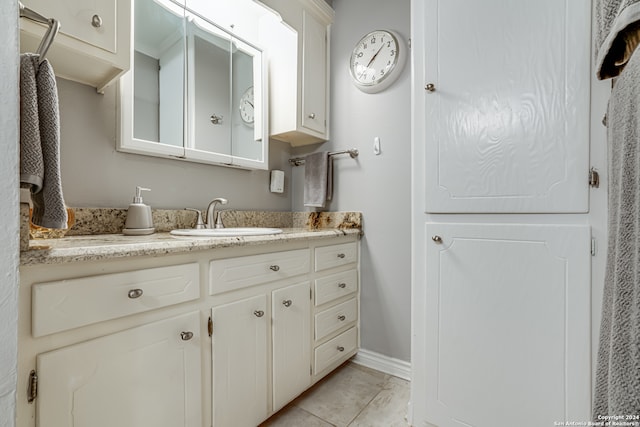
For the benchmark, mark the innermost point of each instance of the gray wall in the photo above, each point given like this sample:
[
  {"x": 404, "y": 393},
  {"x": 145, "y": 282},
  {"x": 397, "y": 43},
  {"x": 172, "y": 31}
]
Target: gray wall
[
  {"x": 94, "y": 174},
  {"x": 9, "y": 229},
  {"x": 379, "y": 186}
]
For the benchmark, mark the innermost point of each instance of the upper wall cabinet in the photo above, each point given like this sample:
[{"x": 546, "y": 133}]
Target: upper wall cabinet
[
  {"x": 195, "y": 90},
  {"x": 299, "y": 72},
  {"x": 94, "y": 34}
]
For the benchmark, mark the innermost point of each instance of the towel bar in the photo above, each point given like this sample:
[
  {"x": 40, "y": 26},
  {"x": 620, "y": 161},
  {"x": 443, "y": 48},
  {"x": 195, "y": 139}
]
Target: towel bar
[
  {"x": 52, "y": 31},
  {"x": 353, "y": 152}
]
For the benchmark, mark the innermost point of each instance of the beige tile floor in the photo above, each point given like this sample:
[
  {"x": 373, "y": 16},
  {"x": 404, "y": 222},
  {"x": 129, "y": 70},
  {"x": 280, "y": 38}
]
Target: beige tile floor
[{"x": 351, "y": 396}]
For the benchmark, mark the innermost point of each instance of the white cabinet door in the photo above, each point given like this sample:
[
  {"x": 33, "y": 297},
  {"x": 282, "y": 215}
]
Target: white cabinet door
[
  {"x": 314, "y": 73},
  {"x": 507, "y": 314},
  {"x": 506, "y": 126},
  {"x": 291, "y": 342},
  {"x": 145, "y": 376},
  {"x": 240, "y": 362}
]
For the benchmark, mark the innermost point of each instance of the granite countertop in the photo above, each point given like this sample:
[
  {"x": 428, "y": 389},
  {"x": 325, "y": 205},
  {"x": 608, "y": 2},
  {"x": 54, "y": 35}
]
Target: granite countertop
[{"x": 110, "y": 246}]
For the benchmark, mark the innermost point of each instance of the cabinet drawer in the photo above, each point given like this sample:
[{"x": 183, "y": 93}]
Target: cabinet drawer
[
  {"x": 333, "y": 350},
  {"x": 334, "y": 318},
  {"x": 235, "y": 273},
  {"x": 91, "y": 22},
  {"x": 66, "y": 304},
  {"x": 336, "y": 255},
  {"x": 335, "y": 286}
]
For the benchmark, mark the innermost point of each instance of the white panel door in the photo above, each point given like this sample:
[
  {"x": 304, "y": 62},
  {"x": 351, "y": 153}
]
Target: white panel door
[
  {"x": 507, "y": 120},
  {"x": 240, "y": 362},
  {"x": 314, "y": 73},
  {"x": 291, "y": 308},
  {"x": 145, "y": 376},
  {"x": 508, "y": 314}
]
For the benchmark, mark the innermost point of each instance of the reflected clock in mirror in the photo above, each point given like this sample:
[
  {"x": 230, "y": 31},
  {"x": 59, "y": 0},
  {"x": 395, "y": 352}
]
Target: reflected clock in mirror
[{"x": 246, "y": 106}]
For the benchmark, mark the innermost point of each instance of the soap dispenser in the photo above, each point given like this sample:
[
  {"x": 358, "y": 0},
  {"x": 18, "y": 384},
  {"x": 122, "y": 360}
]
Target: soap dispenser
[{"x": 139, "y": 221}]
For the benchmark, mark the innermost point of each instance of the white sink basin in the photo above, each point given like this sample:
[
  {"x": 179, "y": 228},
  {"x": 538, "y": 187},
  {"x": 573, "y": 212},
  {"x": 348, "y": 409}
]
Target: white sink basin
[{"x": 225, "y": 232}]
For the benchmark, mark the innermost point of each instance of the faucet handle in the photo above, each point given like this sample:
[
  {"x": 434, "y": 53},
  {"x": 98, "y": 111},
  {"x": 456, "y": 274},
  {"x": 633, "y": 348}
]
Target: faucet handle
[
  {"x": 218, "y": 222},
  {"x": 199, "y": 222}
]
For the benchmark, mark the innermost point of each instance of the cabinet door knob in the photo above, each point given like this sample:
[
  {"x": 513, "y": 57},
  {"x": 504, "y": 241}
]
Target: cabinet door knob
[
  {"x": 342, "y": 285},
  {"x": 96, "y": 21},
  {"x": 312, "y": 115},
  {"x": 258, "y": 313},
  {"x": 287, "y": 303},
  {"x": 274, "y": 267},
  {"x": 430, "y": 87},
  {"x": 186, "y": 336},
  {"x": 341, "y": 255},
  {"x": 135, "y": 293},
  {"x": 340, "y": 348},
  {"x": 437, "y": 239},
  {"x": 341, "y": 318}
]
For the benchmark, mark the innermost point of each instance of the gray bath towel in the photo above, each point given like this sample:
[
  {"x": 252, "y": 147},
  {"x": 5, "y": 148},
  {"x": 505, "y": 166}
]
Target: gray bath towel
[
  {"x": 318, "y": 179},
  {"x": 617, "y": 34},
  {"x": 40, "y": 142},
  {"x": 617, "y": 389}
]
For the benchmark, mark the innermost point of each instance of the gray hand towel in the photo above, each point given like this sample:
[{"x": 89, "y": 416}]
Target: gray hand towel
[
  {"x": 40, "y": 142},
  {"x": 617, "y": 34},
  {"x": 617, "y": 388},
  {"x": 318, "y": 179}
]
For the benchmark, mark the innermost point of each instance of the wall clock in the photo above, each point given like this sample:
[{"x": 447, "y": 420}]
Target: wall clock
[
  {"x": 377, "y": 60},
  {"x": 246, "y": 106}
]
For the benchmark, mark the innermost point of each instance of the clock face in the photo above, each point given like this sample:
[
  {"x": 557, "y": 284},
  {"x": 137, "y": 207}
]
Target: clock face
[
  {"x": 376, "y": 61},
  {"x": 246, "y": 106}
]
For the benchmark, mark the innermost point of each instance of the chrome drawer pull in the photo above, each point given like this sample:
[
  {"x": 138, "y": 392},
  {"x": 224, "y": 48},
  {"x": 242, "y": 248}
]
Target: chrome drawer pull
[
  {"x": 135, "y": 293},
  {"x": 341, "y": 318},
  {"x": 186, "y": 336},
  {"x": 258, "y": 313},
  {"x": 96, "y": 21},
  {"x": 274, "y": 267},
  {"x": 340, "y": 348},
  {"x": 437, "y": 239},
  {"x": 342, "y": 285},
  {"x": 341, "y": 255},
  {"x": 312, "y": 115},
  {"x": 287, "y": 303}
]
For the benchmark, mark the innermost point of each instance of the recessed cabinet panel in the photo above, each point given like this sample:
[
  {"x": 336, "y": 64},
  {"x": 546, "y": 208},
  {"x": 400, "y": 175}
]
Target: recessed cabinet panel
[
  {"x": 146, "y": 376},
  {"x": 507, "y": 116},
  {"x": 506, "y": 308},
  {"x": 66, "y": 304},
  {"x": 291, "y": 310},
  {"x": 239, "y": 349}
]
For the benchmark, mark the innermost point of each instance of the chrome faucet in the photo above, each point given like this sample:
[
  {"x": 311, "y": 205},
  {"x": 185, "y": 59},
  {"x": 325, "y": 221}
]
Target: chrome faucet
[{"x": 214, "y": 220}]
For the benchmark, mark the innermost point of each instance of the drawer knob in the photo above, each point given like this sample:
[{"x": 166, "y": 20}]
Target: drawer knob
[
  {"x": 186, "y": 336},
  {"x": 342, "y": 285},
  {"x": 274, "y": 267},
  {"x": 312, "y": 115},
  {"x": 287, "y": 303},
  {"x": 135, "y": 293},
  {"x": 258, "y": 313},
  {"x": 437, "y": 239},
  {"x": 340, "y": 348},
  {"x": 430, "y": 87},
  {"x": 96, "y": 21},
  {"x": 341, "y": 255},
  {"x": 341, "y": 317}
]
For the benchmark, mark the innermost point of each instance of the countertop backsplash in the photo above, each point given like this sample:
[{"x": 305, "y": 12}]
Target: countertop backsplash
[{"x": 96, "y": 221}]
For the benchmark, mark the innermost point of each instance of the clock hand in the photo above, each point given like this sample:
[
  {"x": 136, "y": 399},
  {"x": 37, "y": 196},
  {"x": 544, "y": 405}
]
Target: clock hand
[
  {"x": 250, "y": 103},
  {"x": 371, "y": 60}
]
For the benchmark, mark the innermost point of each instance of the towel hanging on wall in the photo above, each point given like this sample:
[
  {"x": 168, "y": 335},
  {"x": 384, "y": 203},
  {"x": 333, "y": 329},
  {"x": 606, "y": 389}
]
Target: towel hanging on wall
[
  {"x": 617, "y": 388},
  {"x": 40, "y": 141},
  {"x": 318, "y": 179}
]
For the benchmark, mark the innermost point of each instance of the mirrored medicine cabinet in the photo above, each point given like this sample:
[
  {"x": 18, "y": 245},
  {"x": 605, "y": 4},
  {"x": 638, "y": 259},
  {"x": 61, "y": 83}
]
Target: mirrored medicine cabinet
[{"x": 194, "y": 91}]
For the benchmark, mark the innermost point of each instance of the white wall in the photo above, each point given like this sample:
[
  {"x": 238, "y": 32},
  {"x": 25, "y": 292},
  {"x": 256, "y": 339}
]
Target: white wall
[
  {"x": 94, "y": 174},
  {"x": 379, "y": 186},
  {"x": 9, "y": 210}
]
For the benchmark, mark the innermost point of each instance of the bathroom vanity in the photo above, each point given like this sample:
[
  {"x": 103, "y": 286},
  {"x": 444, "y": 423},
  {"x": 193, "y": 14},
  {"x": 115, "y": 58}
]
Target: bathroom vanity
[{"x": 163, "y": 331}]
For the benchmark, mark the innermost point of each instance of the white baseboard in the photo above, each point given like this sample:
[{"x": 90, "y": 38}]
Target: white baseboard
[{"x": 379, "y": 362}]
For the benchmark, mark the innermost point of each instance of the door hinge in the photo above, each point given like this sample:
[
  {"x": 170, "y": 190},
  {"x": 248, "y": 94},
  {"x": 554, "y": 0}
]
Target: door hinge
[
  {"x": 32, "y": 390},
  {"x": 594, "y": 178},
  {"x": 210, "y": 326},
  {"x": 310, "y": 294},
  {"x": 593, "y": 246},
  {"x": 310, "y": 370}
]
